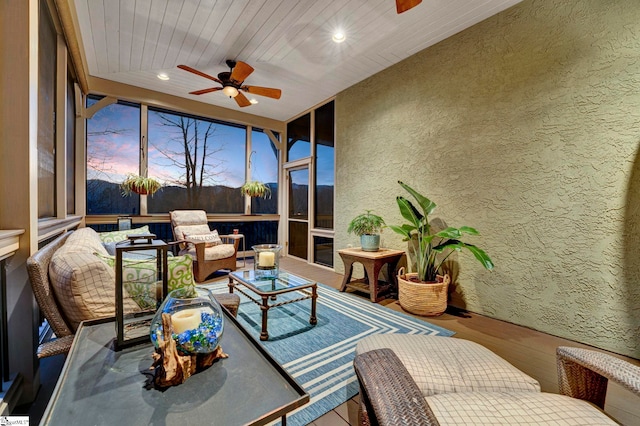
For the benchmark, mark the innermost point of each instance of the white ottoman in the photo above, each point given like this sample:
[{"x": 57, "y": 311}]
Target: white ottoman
[{"x": 443, "y": 364}]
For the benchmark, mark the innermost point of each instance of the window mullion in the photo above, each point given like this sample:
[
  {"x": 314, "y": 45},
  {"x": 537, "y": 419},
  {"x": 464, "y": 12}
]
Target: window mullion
[{"x": 144, "y": 152}]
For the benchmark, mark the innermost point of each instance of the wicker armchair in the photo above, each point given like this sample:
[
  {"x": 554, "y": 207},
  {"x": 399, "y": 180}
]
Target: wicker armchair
[
  {"x": 38, "y": 269},
  {"x": 389, "y": 395}
]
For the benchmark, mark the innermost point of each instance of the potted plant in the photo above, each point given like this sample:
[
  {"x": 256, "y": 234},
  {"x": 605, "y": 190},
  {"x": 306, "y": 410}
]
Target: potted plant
[
  {"x": 424, "y": 292},
  {"x": 255, "y": 188},
  {"x": 139, "y": 184},
  {"x": 368, "y": 227}
]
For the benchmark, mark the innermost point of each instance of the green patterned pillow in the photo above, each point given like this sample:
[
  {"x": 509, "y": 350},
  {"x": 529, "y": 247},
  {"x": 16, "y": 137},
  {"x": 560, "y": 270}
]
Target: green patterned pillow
[
  {"x": 116, "y": 236},
  {"x": 139, "y": 277}
]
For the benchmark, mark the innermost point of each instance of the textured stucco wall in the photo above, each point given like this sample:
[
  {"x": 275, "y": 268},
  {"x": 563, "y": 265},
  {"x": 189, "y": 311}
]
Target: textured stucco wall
[{"x": 525, "y": 126}]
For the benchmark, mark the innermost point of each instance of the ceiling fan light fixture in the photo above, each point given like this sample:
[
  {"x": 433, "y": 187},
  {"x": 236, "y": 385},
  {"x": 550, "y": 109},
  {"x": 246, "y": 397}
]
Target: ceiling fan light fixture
[
  {"x": 230, "y": 91},
  {"x": 338, "y": 37}
]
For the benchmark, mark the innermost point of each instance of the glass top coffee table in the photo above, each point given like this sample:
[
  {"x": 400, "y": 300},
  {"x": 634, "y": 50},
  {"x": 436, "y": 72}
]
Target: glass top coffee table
[
  {"x": 101, "y": 386},
  {"x": 269, "y": 288}
]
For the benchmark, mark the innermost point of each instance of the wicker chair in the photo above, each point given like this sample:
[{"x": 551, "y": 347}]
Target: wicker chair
[
  {"x": 206, "y": 260},
  {"x": 38, "y": 269},
  {"x": 389, "y": 395}
]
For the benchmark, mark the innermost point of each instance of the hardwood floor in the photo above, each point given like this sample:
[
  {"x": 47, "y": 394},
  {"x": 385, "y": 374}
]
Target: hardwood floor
[{"x": 529, "y": 350}]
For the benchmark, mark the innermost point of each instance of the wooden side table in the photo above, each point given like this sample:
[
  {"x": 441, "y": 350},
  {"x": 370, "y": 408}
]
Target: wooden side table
[{"x": 372, "y": 261}]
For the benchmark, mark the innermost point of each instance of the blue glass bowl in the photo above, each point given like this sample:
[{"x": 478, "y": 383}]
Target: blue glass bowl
[{"x": 197, "y": 321}]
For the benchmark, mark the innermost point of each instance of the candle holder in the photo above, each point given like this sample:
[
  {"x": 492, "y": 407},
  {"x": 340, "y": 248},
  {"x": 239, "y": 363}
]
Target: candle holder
[
  {"x": 196, "y": 321},
  {"x": 266, "y": 261},
  {"x": 186, "y": 333}
]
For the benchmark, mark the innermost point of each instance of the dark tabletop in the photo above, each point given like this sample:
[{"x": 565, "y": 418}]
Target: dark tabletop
[{"x": 99, "y": 386}]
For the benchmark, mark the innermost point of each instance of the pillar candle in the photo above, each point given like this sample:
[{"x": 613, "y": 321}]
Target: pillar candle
[
  {"x": 187, "y": 319},
  {"x": 266, "y": 258}
]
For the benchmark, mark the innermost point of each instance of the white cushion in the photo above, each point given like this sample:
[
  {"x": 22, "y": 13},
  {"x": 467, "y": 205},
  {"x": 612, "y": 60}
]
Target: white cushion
[
  {"x": 443, "y": 364},
  {"x": 210, "y": 238},
  {"x": 221, "y": 251},
  {"x": 84, "y": 285},
  {"x": 188, "y": 217},
  {"x": 514, "y": 408},
  {"x": 84, "y": 240},
  {"x": 182, "y": 231}
]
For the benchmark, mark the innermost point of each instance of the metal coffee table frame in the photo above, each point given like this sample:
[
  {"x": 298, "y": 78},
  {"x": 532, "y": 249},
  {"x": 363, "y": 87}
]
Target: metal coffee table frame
[{"x": 285, "y": 283}]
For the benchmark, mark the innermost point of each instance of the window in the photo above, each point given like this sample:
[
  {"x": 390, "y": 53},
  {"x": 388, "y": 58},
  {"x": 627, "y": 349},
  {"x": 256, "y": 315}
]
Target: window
[
  {"x": 47, "y": 65},
  {"x": 325, "y": 166},
  {"x": 264, "y": 168},
  {"x": 323, "y": 251},
  {"x": 299, "y": 138},
  {"x": 200, "y": 162},
  {"x": 71, "y": 146},
  {"x": 113, "y": 147}
]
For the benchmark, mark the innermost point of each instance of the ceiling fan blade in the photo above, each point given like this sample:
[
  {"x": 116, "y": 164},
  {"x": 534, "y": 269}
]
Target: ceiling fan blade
[
  {"x": 200, "y": 73},
  {"x": 241, "y": 71},
  {"x": 242, "y": 100},
  {"x": 263, "y": 91},
  {"x": 404, "y": 5},
  {"x": 203, "y": 91}
]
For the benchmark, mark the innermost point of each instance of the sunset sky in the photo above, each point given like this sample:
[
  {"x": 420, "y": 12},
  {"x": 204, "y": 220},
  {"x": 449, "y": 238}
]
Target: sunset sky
[{"x": 113, "y": 146}]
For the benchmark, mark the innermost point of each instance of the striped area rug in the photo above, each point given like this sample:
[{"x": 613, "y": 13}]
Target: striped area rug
[{"x": 320, "y": 357}]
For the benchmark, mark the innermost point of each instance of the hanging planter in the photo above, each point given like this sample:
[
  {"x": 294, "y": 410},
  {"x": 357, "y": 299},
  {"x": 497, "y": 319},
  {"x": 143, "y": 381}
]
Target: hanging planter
[
  {"x": 139, "y": 185},
  {"x": 254, "y": 188}
]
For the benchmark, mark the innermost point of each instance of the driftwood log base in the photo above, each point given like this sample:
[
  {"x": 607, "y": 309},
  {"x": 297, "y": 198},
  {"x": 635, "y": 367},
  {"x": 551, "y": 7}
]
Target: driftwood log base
[{"x": 170, "y": 367}]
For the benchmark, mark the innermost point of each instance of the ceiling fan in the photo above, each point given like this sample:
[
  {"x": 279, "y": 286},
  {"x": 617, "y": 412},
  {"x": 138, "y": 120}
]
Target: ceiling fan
[
  {"x": 404, "y": 5},
  {"x": 232, "y": 83}
]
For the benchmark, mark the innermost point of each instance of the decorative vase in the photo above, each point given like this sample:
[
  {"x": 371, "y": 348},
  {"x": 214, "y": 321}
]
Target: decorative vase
[
  {"x": 196, "y": 320},
  {"x": 266, "y": 261},
  {"x": 369, "y": 242},
  {"x": 420, "y": 298}
]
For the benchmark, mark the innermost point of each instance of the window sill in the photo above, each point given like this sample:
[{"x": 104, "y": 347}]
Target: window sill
[{"x": 48, "y": 228}]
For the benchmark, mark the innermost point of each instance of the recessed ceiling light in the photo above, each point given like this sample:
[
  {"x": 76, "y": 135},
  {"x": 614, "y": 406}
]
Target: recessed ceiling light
[
  {"x": 338, "y": 37},
  {"x": 163, "y": 76},
  {"x": 253, "y": 101}
]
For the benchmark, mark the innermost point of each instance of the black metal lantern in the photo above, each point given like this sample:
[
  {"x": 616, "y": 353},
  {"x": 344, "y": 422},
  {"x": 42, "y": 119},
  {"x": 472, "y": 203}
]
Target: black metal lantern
[{"x": 141, "y": 286}]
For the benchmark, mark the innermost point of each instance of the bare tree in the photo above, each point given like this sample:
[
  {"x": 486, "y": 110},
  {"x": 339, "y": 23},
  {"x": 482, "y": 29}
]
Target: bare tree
[{"x": 190, "y": 148}]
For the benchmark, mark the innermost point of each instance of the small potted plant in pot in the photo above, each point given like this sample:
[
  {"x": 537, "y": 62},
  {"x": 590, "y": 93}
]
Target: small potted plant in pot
[
  {"x": 139, "y": 184},
  {"x": 424, "y": 292},
  {"x": 255, "y": 188},
  {"x": 368, "y": 227}
]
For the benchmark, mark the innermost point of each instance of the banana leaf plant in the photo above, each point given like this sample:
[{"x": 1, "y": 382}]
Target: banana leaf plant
[{"x": 428, "y": 245}]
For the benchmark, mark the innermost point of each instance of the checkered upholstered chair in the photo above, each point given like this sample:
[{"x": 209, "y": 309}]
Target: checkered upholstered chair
[{"x": 451, "y": 390}]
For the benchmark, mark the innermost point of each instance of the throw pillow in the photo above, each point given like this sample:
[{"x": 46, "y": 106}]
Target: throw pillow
[
  {"x": 210, "y": 238},
  {"x": 116, "y": 236},
  {"x": 139, "y": 276},
  {"x": 84, "y": 287}
]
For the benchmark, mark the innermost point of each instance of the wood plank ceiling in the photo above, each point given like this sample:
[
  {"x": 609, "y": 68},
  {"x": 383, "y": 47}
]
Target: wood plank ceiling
[{"x": 288, "y": 42}]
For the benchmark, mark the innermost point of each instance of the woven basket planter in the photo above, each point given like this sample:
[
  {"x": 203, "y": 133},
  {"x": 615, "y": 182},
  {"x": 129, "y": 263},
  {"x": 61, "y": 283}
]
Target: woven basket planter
[{"x": 425, "y": 299}]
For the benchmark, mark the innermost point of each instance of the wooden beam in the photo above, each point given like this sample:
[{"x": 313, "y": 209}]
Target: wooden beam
[{"x": 69, "y": 23}]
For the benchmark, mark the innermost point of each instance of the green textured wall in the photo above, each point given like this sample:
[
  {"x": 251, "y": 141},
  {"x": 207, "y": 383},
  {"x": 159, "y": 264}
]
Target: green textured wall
[{"x": 525, "y": 126}]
